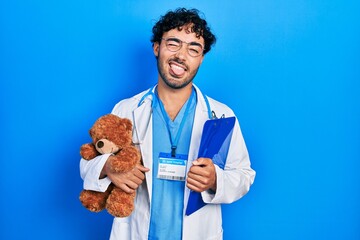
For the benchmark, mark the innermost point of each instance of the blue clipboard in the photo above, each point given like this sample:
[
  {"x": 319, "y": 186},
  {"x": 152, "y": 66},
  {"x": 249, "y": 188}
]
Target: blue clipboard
[{"x": 215, "y": 142}]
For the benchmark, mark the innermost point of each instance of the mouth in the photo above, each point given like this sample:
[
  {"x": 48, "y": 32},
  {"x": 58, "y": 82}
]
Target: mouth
[{"x": 177, "y": 69}]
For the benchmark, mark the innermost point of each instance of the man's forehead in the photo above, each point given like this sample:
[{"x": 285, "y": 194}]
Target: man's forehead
[{"x": 187, "y": 31}]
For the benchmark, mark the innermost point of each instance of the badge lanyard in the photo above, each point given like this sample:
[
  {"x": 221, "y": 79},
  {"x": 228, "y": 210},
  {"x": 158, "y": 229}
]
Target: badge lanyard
[{"x": 174, "y": 142}]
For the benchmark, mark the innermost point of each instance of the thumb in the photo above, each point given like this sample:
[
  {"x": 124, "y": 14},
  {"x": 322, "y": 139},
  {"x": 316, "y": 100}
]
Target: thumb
[{"x": 199, "y": 162}]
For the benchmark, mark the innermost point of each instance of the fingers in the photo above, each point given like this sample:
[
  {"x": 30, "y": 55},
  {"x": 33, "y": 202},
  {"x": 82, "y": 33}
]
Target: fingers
[
  {"x": 202, "y": 175},
  {"x": 125, "y": 188},
  {"x": 131, "y": 183},
  {"x": 134, "y": 177},
  {"x": 131, "y": 180},
  {"x": 142, "y": 168},
  {"x": 127, "y": 183},
  {"x": 199, "y": 183}
]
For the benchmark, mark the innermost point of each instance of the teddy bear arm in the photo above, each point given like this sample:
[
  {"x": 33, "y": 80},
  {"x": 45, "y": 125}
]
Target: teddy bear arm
[
  {"x": 125, "y": 160},
  {"x": 88, "y": 151}
]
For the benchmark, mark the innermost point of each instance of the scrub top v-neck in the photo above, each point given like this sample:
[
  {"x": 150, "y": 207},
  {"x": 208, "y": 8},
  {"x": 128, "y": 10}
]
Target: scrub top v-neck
[{"x": 168, "y": 195}]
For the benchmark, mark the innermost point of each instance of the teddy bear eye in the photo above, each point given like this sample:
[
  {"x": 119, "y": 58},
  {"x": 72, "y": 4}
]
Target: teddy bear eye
[{"x": 100, "y": 144}]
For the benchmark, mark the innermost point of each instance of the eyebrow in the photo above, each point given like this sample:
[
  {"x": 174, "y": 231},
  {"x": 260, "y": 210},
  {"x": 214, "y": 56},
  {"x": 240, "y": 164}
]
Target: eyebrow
[{"x": 195, "y": 43}]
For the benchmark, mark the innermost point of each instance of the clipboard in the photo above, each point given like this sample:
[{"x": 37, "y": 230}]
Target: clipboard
[{"x": 214, "y": 144}]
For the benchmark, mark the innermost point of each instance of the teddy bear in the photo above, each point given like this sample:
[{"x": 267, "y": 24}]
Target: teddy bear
[{"x": 111, "y": 134}]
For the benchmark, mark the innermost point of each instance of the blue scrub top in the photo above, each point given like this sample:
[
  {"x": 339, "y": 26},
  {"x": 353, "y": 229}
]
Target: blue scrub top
[{"x": 168, "y": 195}]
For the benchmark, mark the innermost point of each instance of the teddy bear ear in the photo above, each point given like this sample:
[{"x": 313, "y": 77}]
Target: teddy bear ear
[
  {"x": 127, "y": 123},
  {"x": 91, "y": 132}
]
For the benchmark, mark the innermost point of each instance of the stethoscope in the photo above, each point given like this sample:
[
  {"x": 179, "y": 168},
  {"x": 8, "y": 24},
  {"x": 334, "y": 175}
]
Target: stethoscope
[{"x": 150, "y": 93}]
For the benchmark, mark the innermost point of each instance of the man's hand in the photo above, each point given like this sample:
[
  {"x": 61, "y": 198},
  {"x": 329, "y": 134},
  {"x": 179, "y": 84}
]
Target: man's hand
[
  {"x": 128, "y": 181},
  {"x": 202, "y": 175}
]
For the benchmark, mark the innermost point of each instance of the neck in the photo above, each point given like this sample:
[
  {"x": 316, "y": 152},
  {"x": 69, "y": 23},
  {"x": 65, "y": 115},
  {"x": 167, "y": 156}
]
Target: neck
[{"x": 173, "y": 99}]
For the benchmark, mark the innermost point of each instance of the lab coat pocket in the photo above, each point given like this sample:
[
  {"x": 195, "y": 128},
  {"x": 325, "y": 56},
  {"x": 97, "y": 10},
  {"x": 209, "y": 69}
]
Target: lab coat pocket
[
  {"x": 204, "y": 224},
  {"x": 120, "y": 229}
]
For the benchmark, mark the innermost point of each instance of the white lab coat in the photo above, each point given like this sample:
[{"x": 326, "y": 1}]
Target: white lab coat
[{"x": 232, "y": 183}]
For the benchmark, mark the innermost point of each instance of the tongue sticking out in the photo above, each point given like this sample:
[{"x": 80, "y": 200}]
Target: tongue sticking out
[{"x": 178, "y": 71}]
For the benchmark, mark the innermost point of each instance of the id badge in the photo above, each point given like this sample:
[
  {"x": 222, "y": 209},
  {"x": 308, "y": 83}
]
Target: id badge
[{"x": 172, "y": 168}]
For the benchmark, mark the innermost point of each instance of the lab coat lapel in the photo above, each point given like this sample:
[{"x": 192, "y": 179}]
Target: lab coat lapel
[
  {"x": 201, "y": 115},
  {"x": 143, "y": 130}
]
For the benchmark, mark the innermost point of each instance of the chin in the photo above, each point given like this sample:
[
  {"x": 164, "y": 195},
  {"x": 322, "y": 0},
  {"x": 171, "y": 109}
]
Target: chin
[{"x": 177, "y": 85}]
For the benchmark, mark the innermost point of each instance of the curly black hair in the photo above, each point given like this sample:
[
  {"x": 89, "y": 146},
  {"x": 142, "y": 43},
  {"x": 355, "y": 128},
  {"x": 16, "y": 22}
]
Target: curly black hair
[{"x": 179, "y": 18}]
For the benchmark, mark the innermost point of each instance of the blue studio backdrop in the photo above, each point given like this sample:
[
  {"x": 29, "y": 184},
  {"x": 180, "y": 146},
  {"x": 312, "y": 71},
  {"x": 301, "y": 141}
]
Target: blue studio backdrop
[{"x": 289, "y": 69}]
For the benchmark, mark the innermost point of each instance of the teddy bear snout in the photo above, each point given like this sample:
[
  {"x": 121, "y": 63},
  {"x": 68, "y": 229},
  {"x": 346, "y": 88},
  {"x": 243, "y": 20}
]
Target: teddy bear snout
[{"x": 106, "y": 146}]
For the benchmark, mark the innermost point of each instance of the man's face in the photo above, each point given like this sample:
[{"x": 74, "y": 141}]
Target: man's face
[{"x": 177, "y": 69}]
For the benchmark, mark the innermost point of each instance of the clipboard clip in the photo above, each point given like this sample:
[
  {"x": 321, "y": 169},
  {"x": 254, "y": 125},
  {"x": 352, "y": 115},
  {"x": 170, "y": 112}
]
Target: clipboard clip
[{"x": 213, "y": 114}]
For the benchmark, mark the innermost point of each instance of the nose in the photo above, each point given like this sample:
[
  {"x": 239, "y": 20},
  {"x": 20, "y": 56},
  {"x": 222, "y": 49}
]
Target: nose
[
  {"x": 181, "y": 53},
  {"x": 100, "y": 144}
]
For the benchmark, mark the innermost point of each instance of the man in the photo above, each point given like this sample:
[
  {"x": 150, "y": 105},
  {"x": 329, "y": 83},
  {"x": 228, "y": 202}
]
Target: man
[{"x": 168, "y": 121}]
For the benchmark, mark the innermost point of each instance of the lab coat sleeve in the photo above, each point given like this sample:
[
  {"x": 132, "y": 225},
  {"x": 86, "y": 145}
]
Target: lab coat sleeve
[
  {"x": 235, "y": 180},
  {"x": 90, "y": 171}
]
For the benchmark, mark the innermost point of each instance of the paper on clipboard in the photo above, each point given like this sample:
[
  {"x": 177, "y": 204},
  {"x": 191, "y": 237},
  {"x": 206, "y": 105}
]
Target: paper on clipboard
[{"x": 215, "y": 142}]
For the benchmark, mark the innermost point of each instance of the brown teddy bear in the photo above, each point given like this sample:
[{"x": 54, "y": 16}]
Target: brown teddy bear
[{"x": 111, "y": 134}]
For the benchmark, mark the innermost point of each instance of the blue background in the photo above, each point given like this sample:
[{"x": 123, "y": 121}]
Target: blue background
[{"x": 289, "y": 69}]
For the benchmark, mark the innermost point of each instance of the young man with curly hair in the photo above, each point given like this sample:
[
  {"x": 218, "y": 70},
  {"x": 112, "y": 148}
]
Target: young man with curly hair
[{"x": 168, "y": 120}]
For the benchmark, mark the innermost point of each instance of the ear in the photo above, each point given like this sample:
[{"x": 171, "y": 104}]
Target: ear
[{"x": 156, "y": 48}]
